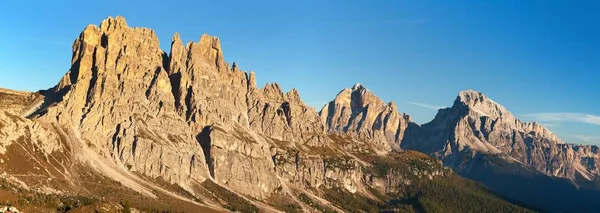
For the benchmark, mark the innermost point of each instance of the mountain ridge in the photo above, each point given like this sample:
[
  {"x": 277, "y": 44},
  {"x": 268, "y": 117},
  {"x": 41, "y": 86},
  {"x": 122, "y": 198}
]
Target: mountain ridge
[
  {"x": 486, "y": 115},
  {"x": 189, "y": 122},
  {"x": 482, "y": 140}
]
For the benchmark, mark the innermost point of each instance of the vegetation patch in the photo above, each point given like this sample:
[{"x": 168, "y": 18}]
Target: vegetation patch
[
  {"x": 244, "y": 136},
  {"x": 174, "y": 188},
  {"x": 305, "y": 199},
  {"x": 447, "y": 193},
  {"x": 283, "y": 158},
  {"x": 404, "y": 163},
  {"x": 24, "y": 199},
  {"x": 351, "y": 202},
  {"x": 126, "y": 206},
  {"x": 232, "y": 201},
  {"x": 284, "y": 203}
]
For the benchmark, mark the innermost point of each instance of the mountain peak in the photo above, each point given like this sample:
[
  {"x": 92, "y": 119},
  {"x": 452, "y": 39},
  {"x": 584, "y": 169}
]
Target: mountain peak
[
  {"x": 480, "y": 103},
  {"x": 363, "y": 115},
  {"x": 471, "y": 96}
]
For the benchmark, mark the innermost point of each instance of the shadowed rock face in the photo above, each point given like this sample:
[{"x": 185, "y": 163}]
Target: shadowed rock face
[{"x": 362, "y": 115}]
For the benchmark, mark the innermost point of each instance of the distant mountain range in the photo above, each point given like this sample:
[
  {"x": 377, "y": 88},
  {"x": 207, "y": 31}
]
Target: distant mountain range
[{"x": 130, "y": 126}]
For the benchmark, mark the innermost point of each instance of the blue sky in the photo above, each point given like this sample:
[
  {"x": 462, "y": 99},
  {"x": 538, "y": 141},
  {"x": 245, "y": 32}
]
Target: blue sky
[{"x": 540, "y": 59}]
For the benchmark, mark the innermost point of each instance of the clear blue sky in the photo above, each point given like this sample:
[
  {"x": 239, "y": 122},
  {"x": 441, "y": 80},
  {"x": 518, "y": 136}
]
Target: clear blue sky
[{"x": 540, "y": 59}]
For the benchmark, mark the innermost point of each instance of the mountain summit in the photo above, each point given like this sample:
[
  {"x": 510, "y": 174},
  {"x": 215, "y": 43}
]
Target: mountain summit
[
  {"x": 477, "y": 123},
  {"x": 480, "y": 103},
  {"x": 478, "y": 137},
  {"x": 360, "y": 113}
]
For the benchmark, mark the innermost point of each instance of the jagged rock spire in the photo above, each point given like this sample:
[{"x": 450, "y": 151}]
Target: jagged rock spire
[{"x": 359, "y": 112}]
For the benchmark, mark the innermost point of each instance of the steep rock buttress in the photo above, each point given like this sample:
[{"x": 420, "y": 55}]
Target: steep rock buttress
[{"x": 118, "y": 97}]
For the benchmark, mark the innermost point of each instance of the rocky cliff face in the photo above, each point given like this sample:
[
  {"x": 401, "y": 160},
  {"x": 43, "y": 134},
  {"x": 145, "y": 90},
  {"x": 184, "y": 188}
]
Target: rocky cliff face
[
  {"x": 234, "y": 120},
  {"x": 117, "y": 96},
  {"x": 359, "y": 113}
]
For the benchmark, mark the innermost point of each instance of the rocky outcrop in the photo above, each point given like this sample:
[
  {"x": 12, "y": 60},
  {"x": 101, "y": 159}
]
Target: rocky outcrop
[
  {"x": 240, "y": 160},
  {"x": 359, "y": 113},
  {"x": 206, "y": 90},
  {"x": 9, "y": 209},
  {"x": 285, "y": 117}
]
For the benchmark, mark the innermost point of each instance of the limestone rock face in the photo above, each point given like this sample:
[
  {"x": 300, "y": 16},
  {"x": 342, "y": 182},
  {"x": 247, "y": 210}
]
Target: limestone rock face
[
  {"x": 240, "y": 160},
  {"x": 234, "y": 120},
  {"x": 285, "y": 117},
  {"x": 117, "y": 95},
  {"x": 476, "y": 123},
  {"x": 208, "y": 91},
  {"x": 361, "y": 114}
]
